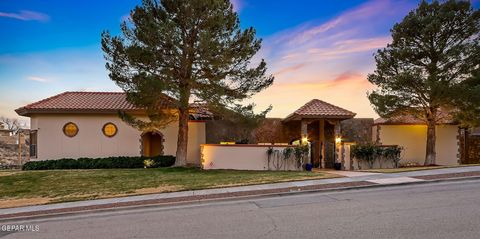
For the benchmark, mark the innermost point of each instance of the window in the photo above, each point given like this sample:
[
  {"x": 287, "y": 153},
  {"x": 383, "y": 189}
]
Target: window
[
  {"x": 70, "y": 129},
  {"x": 109, "y": 129},
  {"x": 33, "y": 144}
]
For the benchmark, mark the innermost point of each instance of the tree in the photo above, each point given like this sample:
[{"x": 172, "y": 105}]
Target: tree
[
  {"x": 245, "y": 121},
  {"x": 14, "y": 125},
  {"x": 468, "y": 102},
  {"x": 434, "y": 49},
  {"x": 175, "y": 51}
]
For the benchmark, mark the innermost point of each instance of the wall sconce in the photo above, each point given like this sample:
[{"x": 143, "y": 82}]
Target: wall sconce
[
  {"x": 338, "y": 140},
  {"x": 304, "y": 139}
]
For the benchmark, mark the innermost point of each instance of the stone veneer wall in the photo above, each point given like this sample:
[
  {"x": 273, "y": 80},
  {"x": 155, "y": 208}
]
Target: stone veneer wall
[
  {"x": 273, "y": 130},
  {"x": 9, "y": 154},
  {"x": 217, "y": 131},
  {"x": 6, "y": 137},
  {"x": 9, "y": 149},
  {"x": 357, "y": 130},
  {"x": 473, "y": 149}
]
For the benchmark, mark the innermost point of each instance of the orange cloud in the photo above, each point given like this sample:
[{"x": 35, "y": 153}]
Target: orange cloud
[{"x": 346, "y": 78}]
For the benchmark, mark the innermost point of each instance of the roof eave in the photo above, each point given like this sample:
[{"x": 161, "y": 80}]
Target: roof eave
[
  {"x": 28, "y": 112},
  {"x": 399, "y": 123},
  {"x": 22, "y": 111},
  {"x": 290, "y": 117},
  {"x": 295, "y": 116}
]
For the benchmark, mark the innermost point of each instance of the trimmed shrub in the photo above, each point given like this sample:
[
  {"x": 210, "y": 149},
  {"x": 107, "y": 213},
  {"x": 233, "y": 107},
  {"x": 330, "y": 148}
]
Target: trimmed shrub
[
  {"x": 371, "y": 153},
  {"x": 99, "y": 163}
]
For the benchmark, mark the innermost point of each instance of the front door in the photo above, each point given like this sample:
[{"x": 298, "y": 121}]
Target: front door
[
  {"x": 316, "y": 153},
  {"x": 329, "y": 154},
  {"x": 152, "y": 144}
]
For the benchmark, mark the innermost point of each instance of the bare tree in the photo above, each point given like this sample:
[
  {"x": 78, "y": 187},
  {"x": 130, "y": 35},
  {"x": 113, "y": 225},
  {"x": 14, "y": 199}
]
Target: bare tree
[{"x": 11, "y": 124}]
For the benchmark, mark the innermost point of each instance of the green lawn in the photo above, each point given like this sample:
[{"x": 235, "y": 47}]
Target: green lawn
[{"x": 19, "y": 188}]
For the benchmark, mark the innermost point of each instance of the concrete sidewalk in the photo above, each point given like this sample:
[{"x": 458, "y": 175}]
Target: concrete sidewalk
[{"x": 351, "y": 180}]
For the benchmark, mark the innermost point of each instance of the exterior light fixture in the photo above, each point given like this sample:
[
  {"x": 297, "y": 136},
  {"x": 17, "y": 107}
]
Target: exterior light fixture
[
  {"x": 304, "y": 139},
  {"x": 338, "y": 140}
]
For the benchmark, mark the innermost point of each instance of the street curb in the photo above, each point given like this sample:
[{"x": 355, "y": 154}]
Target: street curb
[{"x": 46, "y": 215}]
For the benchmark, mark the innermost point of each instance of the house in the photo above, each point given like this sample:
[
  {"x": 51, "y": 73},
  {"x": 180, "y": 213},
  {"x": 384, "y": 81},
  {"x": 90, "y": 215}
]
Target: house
[
  {"x": 410, "y": 133},
  {"x": 86, "y": 124}
]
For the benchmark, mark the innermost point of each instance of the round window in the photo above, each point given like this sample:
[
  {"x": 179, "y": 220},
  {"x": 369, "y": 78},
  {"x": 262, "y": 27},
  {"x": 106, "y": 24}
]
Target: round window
[
  {"x": 109, "y": 129},
  {"x": 70, "y": 129}
]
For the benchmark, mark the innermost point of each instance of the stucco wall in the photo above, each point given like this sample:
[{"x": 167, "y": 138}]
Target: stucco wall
[
  {"x": 240, "y": 157},
  {"x": 91, "y": 142},
  {"x": 196, "y": 137},
  {"x": 351, "y": 163},
  {"x": 413, "y": 139}
]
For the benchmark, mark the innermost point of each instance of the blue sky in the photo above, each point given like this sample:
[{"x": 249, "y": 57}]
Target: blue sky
[{"x": 316, "y": 49}]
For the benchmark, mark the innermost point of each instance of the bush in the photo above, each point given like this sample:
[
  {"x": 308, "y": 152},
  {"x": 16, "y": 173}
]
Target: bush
[
  {"x": 100, "y": 163},
  {"x": 371, "y": 153}
]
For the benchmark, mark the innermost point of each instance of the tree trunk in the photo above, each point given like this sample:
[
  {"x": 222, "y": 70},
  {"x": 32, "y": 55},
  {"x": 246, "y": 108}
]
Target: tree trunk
[
  {"x": 182, "y": 142},
  {"x": 430, "y": 157}
]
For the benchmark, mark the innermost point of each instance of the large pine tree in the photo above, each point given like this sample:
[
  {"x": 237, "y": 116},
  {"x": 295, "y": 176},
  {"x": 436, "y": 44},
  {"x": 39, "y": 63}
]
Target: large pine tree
[
  {"x": 186, "y": 50},
  {"x": 434, "y": 51}
]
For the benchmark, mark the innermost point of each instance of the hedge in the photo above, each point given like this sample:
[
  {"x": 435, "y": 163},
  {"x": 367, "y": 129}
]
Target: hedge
[
  {"x": 371, "y": 153},
  {"x": 99, "y": 163}
]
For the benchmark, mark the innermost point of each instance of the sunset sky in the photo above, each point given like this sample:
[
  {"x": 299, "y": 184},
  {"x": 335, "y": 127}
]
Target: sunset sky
[{"x": 316, "y": 49}]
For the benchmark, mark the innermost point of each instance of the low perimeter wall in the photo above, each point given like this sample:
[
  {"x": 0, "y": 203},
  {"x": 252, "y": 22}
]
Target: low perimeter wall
[
  {"x": 351, "y": 163},
  {"x": 243, "y": 157}
]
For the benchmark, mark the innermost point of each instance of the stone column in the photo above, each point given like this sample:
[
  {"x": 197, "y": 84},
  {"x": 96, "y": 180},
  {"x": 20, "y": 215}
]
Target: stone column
[
  {"x": 304, "y": 134},
  {"x": 337, "y": 145},
  {"x": 304, "y": 131}
]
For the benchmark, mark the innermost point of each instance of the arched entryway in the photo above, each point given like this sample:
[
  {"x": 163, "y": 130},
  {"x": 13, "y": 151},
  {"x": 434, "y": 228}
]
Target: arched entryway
[
  {"x": 319, "y": 122},
  {"x": 152, "y": 144}
]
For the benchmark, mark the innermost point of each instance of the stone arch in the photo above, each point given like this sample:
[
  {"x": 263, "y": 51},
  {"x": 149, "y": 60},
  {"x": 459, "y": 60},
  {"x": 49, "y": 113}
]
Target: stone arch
[{"x": 152, "y": 143}]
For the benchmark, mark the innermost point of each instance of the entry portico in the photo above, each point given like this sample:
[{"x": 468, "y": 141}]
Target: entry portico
[{"x": 320, "y": 124}]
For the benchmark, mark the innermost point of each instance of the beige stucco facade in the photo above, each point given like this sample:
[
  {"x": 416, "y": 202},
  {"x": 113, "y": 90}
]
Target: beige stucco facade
[
  {"x": 242, "y": 157},
  {"x": 413, "y": 139},
  {"x": 91, "y": 142}
]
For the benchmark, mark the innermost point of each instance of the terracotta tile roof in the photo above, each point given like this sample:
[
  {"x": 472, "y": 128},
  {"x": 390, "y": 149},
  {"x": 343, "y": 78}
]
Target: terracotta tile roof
[
  {"x": 80, "y": 102},
  {"x": 96, "y": 102},
  {"x": 200, "y": 111},
  {"x": 320, "y": 109},
  {"x": 409, "y": 119}
]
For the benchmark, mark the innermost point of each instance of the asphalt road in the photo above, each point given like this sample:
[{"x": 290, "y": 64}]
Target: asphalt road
[{"x": 439, "y": 210}]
